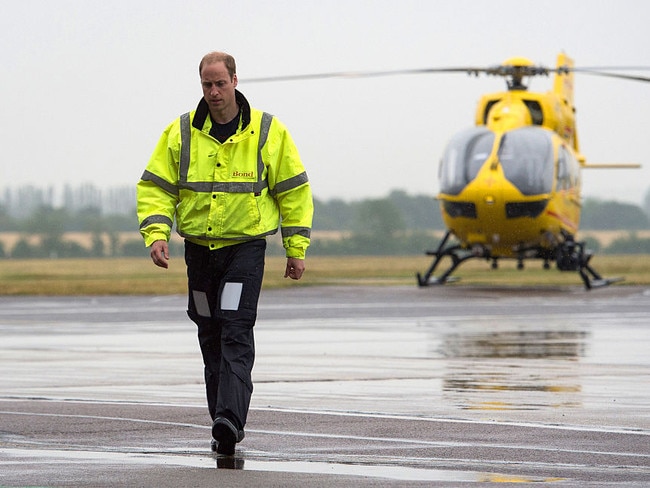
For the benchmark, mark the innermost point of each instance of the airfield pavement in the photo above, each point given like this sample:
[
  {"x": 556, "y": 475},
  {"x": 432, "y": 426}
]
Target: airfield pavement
[{"x": 354, "y": 386}]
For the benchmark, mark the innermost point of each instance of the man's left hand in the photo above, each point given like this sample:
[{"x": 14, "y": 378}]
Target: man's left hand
[{"x": 295, "y": 268}]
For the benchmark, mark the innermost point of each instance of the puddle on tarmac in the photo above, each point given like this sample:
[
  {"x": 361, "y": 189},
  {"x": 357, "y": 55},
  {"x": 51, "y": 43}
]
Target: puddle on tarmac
[{"x": 59, "y": 456}]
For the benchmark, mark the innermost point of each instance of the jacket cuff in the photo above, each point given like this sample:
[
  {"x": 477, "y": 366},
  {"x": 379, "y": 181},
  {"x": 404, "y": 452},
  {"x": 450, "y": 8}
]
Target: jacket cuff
[
  {"x": 150, "y": 239},
  {"x": 296, "y": 252}
]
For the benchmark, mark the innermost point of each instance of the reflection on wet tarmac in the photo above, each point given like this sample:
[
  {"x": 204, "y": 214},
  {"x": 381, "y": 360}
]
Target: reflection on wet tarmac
[
  {"x": 392, "y": 472},
  {"x": 520, "y": 344},
  {"x": 491, "y": 380},
  {"x": 229, "y": 462}
]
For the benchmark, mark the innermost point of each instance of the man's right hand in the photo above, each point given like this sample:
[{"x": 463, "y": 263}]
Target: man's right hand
[{"x": 160, "y": 253}]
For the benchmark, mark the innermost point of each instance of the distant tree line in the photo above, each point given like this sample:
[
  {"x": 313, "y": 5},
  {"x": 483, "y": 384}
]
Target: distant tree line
[
  {"x": 608, "y": 215},
  {"x": 51, "y": 224},
  {"x": 397, "y": 224}
]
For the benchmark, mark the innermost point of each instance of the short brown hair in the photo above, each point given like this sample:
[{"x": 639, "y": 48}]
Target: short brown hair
[{"x": 216, "y": 57}]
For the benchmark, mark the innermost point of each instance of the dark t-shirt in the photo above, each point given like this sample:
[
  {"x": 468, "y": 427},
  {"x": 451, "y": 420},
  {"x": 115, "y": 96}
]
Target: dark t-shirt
[{"x": 221, "y": 132}]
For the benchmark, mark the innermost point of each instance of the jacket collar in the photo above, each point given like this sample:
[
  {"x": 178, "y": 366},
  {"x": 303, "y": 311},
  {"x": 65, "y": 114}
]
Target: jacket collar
[{"x": 203, "y": 112}]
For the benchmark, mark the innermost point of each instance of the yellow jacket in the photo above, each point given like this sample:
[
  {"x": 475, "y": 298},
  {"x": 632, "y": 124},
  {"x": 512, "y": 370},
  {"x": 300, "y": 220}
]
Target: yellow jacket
[{"x": 224, "y": 193}]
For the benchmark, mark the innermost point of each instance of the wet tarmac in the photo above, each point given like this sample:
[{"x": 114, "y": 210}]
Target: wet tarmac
[{"x": 354, "y": 386}]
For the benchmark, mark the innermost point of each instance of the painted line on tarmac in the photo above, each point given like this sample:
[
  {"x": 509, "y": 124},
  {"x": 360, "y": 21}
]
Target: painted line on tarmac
[
  {"x": 574, "y": 428},
  {"x": 104, "y": 417},
  {"x": 287, "y": 464},
  {"x": 393, "y": 440}
]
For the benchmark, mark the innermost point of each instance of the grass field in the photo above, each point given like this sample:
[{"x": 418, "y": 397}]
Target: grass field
[{"x": 138, "y": 276}]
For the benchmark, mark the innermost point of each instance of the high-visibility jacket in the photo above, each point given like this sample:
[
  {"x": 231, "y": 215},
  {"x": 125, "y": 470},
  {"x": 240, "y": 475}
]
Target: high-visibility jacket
[{"x": 224, "y": 193}]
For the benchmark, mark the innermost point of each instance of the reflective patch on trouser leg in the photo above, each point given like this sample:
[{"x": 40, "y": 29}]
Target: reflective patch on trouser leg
[
  {"x": 201, "y": 303},
  {"x": 231, "y": 295}
]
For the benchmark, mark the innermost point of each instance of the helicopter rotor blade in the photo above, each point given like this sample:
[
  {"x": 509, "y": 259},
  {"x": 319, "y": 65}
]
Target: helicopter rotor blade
[
  {"x": 499, "y": 70},
  {"x": 364, "y": 74},
  {"x": 623, "y": 76}
]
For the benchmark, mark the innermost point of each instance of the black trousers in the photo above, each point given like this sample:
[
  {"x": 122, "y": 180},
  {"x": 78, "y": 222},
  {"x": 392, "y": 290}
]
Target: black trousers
[{"x": 224, "y": 287}]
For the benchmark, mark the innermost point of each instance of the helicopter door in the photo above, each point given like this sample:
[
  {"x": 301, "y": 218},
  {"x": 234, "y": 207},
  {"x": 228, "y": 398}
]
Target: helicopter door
[
  {"x": 463, "y": 158},
  {"x": 568, "y": 171}
]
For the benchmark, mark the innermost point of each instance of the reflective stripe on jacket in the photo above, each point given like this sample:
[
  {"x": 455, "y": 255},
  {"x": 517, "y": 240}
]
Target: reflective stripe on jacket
[{"x": 224, "y": 193}]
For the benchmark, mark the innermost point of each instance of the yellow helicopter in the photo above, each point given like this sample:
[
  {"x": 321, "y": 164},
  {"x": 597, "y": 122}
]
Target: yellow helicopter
[{"x": 510, "y": 185}]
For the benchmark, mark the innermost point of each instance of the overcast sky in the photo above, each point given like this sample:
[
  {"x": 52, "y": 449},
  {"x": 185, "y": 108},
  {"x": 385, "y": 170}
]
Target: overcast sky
[{"x": 88, "y": 86}]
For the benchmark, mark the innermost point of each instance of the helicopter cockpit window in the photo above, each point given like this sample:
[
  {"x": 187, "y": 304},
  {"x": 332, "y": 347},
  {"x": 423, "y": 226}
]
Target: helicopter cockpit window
[
  {"x": 535, "y": 110},
  {"x": 465, "y": 155},
  {"x": 526, "y": 156},
  {"x": 488, "y": 107}
]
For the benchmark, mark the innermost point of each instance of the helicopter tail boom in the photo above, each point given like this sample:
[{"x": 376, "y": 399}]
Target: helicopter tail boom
[{"x": 611, "y": 165}]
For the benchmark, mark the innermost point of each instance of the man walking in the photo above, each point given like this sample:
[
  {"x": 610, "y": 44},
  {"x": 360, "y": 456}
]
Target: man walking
[{"x": 230, "y": 175}]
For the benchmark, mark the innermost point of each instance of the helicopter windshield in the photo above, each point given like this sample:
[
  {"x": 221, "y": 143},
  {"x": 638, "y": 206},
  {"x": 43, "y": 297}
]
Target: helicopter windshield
[
  {"x": 465, "y": 155},
  {"x": 526, "y": 156}
]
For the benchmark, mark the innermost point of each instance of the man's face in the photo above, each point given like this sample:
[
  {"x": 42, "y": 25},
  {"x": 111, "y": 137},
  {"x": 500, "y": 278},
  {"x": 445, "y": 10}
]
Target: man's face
[{"x": 219, "y": 91}]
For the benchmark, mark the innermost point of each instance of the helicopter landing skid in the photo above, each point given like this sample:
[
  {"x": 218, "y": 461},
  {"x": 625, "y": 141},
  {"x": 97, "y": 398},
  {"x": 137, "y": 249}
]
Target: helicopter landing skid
[
  {"x": 456, "y": 253},
  {"x": 595, "y": 280},
  {"x": 571, "y": 256}
]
